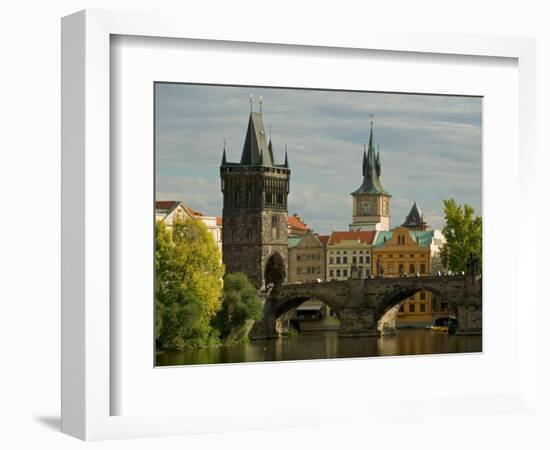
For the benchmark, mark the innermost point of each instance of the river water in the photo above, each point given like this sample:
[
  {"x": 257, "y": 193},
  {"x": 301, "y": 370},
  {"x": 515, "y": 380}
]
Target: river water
[{"x": 326, "y": 344}]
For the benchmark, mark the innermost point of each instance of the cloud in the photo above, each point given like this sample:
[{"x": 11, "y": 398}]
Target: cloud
[{"x": 430, "y": 147}]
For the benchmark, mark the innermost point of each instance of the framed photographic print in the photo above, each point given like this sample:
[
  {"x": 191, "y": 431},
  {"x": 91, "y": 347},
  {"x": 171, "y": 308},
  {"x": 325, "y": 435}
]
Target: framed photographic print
[{"x": 246, "y": 214}]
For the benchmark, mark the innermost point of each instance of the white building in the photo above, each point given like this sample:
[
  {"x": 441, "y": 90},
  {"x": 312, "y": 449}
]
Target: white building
[{"x": 170, "y": 210}]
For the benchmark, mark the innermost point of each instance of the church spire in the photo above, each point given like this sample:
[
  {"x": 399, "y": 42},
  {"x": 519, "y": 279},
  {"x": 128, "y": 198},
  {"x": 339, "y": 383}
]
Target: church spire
[
  {"x": 371, "y": 168},
  {"x": 286, "y": 156}
]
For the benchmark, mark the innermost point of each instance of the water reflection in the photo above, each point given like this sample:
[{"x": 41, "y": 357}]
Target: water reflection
[{"x": 321, "y": 345}]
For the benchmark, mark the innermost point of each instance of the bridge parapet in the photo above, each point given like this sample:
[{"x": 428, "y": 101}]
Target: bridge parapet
[{"x": 360, "y": 304}]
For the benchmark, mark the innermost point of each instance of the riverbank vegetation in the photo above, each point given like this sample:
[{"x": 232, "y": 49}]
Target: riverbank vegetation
[
  {"x": 194, "y": 308},
  {"x": 463, "y": 235}
]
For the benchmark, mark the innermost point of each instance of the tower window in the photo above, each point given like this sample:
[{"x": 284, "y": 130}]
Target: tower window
[{"x": 275, "y": 227}]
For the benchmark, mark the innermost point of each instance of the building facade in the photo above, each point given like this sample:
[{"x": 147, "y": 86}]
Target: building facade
[
  {"x": 371, "y": 203},
  {"x": 346, "y": 250},
  {"x": 306, "y": 258},
  {"x": 411, "y": 250},
  {"x": 255, "y": 222},
  {"x": 169, "y": 211}
]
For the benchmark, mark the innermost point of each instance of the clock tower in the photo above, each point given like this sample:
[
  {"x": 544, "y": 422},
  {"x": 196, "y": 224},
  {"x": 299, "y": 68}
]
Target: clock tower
[{"x": 371, "y": 203}]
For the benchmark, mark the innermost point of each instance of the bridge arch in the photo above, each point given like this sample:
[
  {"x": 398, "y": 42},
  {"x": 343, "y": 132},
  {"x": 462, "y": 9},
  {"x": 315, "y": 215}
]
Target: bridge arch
[{"x": 388, "y": 304}]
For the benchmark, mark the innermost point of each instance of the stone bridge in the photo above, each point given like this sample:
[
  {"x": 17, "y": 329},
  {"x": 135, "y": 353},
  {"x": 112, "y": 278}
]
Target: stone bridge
[{"x": 367, "y": 307}]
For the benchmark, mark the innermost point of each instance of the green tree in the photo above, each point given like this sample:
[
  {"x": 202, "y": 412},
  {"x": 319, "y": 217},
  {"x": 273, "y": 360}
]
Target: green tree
[
  {"x": 463, "y": 235},
  {"x": 188, "y": 285},
  {"x": 241, "y": 306}
]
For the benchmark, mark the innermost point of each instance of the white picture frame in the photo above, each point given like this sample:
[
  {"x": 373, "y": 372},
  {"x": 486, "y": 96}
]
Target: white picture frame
[{"x": 87, "y": 383}]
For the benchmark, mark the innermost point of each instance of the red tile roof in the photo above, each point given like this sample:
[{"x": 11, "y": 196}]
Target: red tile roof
[
  {"x": 295, "y": 222},
  {"x": 366, "y": 237},
  {"x": 219, "y": 221},
  {"x": 323, "y": 238},
  {"x": 164, "y": 204}
]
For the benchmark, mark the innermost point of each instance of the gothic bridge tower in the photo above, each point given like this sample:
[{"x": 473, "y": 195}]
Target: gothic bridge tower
[
  {"x": 371, "y": 203},
  {"x": 255, "y": 212}
]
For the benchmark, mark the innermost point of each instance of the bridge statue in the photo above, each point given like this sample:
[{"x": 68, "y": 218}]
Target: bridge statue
[{"x": 360, "y": 304}]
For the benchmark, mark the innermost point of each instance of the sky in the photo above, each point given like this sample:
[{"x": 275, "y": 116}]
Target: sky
[{"x": 430, "y": 147}]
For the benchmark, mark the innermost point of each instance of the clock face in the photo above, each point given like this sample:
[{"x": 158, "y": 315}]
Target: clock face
[{"x": 368, "y": 207}]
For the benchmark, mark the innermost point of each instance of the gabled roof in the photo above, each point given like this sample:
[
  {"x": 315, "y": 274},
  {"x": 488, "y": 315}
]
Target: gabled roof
[
  {"x": 366, "y": 237},
  {"x": 415, "y": 218},
  {"x": 423, "y": 238},
  {"x": 323, "y": 239},
  {"x": 293, "y": 241},
  {"x": 167, "y": 206},
  {"x": 255, "y": 150}
]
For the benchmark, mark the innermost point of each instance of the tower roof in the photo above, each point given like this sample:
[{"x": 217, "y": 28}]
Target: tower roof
[
  {"x": 371, "y": 170},
  {"x": 256, "y": 150},
  {"x": 415, "y": 218}
]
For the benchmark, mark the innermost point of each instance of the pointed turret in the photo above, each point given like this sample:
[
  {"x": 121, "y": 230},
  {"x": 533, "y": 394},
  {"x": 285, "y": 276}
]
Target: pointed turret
[
  {"x": 415, "y": 219},
  {"x": 270, "y": 149},
  {"x": 224, "y": 158},
  {"x": 286, "y": 157}
]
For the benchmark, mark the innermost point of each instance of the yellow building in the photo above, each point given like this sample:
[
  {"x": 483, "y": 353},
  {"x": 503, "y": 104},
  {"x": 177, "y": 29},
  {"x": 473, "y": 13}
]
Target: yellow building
[{"x": 406, "y": 252}]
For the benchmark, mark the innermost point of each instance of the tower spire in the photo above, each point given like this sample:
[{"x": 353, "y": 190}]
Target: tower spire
[
  {"x": 364, "y": 159},
  {"x": 286, "y": 156},
  {"x": 224, "y": 159}
]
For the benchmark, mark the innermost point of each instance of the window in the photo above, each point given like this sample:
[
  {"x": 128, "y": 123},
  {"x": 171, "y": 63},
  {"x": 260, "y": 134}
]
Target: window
[
  {"x": 412, "y": 256},
  {"x": 345, "y": 272},
  {"x": 337, "y": 260},
  {"x": 444, "y": 306},
  {"x": 422, "y": 295},
  {"x": 331, "y": 260},
  {"x": 360, "y": 260},
  {"x": 411, "y": 307},
  {"x": 331, "y": 273},
  {"x": 249, "y": 234},
  {"x": 367, "y": 259},
  {"x": 411, "y": 268},
  {"x": 401, "y": 269},
  {"x": 422, "y": 268},
  {"x": 422, "y": 307},
  {"x": 345, "y": 260},
  {"x": 274, "y": 227},
  {"x": 390, "y": 268},
  {"x": 337, "y": 272},
  {"x": 354, "y": 259}
]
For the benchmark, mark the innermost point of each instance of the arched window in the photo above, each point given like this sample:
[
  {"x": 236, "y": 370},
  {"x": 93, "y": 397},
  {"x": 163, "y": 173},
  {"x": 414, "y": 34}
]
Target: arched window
[
  {"x": 401, "y": 269},
  {"x": 422, "y": 268},
  {"x": 411, "y": 268}
]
